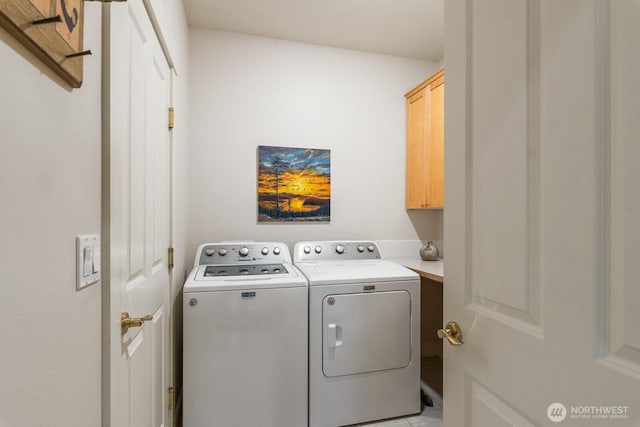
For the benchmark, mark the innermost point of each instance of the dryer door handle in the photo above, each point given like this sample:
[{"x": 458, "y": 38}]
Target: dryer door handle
[{"x": 334, "y": 335}]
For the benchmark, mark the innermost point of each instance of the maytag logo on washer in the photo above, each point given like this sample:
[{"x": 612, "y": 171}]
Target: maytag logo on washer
[
  {"x": 193, "y": 302},
  {"x": 331, "y": 300},
  {"x": 557, "y": 412}
]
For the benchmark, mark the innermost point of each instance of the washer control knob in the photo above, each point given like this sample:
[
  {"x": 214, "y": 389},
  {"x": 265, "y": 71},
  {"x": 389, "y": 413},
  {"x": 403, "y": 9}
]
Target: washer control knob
[
  {"x": 307, "y": 250},
  {"x": 318, "y": 249},
  {"x": 264, "y": 251},
  {"x": 276, "y": 251},
  {"x": 244, "y": 251},
  {"x": 210, "y": 251},
  {"x": 222, "y": 252},
  {"x": 360, "y": 248},
  {"x": 371, "y": 248},
  {"x": 340, "y": 249}
]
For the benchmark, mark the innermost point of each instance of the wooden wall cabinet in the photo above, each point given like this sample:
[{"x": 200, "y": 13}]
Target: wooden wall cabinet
[{"x": 425, "y": 144}]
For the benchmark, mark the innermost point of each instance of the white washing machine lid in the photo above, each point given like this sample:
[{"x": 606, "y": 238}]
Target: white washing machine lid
[
  {"x": 201, "y": 278},
  {"x": 354, "y": 271}
]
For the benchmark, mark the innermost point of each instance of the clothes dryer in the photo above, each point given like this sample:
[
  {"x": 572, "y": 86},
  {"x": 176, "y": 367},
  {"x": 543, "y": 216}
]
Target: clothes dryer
[{"x": 364, "y": 333}]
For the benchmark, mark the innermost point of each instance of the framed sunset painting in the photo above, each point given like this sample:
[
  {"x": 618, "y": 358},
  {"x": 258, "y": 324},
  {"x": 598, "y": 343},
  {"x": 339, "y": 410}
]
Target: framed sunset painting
[{"x": 294, "y": 184}]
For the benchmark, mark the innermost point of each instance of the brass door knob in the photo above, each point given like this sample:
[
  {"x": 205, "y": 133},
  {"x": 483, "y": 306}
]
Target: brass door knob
[
  {"x": 452, "y": 333},
  {"x": 127, "y": 322}
]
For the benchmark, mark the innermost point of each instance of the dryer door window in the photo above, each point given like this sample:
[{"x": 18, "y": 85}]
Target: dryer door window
[{"x": 366, "y": 332}]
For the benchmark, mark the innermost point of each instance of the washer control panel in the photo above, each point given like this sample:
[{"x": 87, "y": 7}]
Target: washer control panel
[
  {"x": 335, "y": 250},
  {"x": 242, "y": 252}
]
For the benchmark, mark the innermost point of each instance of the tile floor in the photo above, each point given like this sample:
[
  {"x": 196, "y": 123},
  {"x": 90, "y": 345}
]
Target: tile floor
[{"x": 430, "y": 417}]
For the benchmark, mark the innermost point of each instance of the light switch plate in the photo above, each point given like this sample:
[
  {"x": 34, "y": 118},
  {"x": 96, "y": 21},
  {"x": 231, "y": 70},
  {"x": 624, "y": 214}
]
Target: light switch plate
[{"x": 87, "y": 260}]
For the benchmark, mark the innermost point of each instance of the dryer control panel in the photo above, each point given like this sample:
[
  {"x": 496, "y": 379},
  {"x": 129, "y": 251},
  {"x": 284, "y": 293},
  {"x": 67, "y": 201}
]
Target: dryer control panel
[{"x": 336, "y": 250}]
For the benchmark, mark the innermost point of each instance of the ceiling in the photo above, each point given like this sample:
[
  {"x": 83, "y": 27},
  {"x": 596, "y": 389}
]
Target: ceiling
[{"x": 410, "y": 28}]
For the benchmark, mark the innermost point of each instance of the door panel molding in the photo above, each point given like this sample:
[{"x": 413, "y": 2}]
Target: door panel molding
[
  {"x": 138, "y": 354},
  {"x": 158, "y": 359},
  {"x": 618, "y": 296},
  {"x": 488, "y": 409},
  {"x": 512, "y": 295}
]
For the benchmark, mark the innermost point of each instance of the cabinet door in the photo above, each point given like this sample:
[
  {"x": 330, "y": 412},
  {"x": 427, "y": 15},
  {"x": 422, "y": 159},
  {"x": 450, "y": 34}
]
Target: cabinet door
[
  {"x": 416, "y": 194},
  {"x": 425, "y": 144},
  {"x": 435, "y": 144}
]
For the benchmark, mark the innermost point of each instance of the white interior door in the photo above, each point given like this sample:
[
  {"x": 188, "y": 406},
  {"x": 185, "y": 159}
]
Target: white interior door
[
  {"x": 542, "y": 221},
  {"x": 137, "y": 88}
]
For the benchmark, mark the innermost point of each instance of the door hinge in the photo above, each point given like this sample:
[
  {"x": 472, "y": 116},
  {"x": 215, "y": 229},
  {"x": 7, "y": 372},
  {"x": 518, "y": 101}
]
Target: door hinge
[
  {"x": 170, "y": 259},
  {"x": 172, "y": 122},
  {"x": 171, "y": 396}
]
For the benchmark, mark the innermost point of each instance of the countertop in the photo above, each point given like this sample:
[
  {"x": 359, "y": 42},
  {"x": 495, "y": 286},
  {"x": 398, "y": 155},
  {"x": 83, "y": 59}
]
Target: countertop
[{"x": 433, "y": 270}]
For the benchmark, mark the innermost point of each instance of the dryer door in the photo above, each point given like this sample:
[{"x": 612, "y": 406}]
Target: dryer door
[{"x": 366, "y": 332}]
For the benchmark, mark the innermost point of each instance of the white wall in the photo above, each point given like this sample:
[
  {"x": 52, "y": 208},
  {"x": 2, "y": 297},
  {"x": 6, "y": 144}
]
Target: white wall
[
  {"x": 247, "y": 91},
  {"x": 50, "y": 141}
]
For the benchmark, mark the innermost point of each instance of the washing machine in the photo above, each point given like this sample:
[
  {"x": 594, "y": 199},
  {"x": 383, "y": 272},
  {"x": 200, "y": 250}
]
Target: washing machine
[
  {"x": 364, "y": 333},
  {"x": 245, "y": 337}
]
